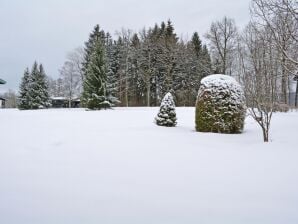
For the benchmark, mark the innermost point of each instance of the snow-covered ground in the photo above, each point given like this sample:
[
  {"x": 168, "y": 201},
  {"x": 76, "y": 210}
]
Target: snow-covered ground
[{"x": 117, "y": 166}]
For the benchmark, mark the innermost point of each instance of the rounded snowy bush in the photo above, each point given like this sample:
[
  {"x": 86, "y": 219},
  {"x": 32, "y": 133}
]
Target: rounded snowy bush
[
  {"x": 220, "y": 105},
  {"x": 167, "y": 114}
]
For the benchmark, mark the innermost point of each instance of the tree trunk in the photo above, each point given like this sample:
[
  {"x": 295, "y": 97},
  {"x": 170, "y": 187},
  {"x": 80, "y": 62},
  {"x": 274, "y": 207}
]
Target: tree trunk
[
  {"x": 296, "y": 94},
  {"x": 265, "y": 134},
  {"x": 126, "y": 80},
  {"x": 148, "y": 94},
  {"x": 284, "y": 84},
  {"x": 126, "y": 92}
]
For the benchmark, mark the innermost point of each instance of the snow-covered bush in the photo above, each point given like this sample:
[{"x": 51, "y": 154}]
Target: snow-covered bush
[
  {"x": 167, "y": 113},
  {"x": 220, "y": 105}
]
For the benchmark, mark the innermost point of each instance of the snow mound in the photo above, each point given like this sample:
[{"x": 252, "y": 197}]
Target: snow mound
[
  {"x": 167, "y": 113},
  {"x": 220, "y": 105}
]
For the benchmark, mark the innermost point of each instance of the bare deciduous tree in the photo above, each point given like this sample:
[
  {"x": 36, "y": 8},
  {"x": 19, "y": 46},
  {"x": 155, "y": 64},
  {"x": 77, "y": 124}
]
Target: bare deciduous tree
[
  {"x": 260, "y": 73},
  {"x": 77, "y": 58},
  {"x": 71, "y": 75},
  {"x": 222, "y": 38},
  {"x": 281, "y": 18}
]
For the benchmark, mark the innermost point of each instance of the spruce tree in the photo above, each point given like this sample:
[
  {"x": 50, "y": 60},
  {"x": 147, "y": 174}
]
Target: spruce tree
[
  {"x": 94, "y": 93},
  {"x": 44, "y": 90},
  {"x": 94, "y": 37},
  {"x": 135, "y": 81},
  {"x": 167, "y": 114},
  {"x": 38, "y": 89},
  {"x": 197, "y": 44},
  {"x": 206, "y": 64},
  {"x": 113, "y": 64},
  {"x": 23, "y": 92}
]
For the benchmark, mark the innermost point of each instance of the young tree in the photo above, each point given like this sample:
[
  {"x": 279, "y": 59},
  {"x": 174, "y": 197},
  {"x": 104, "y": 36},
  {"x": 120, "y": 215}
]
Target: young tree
[
  {"x": 260, "y": 73},
  {"x": 167, "y": 114}
]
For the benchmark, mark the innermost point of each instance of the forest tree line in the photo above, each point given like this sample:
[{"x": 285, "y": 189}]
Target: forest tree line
[
  {"x": 138, "y": 69},
  {"x": 141, "y": 67}
]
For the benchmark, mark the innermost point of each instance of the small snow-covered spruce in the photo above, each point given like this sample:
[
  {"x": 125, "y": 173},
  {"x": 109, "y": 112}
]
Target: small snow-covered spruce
[
  {"x": 220, "y": 105},
  {"x": 167, "y": 114}
]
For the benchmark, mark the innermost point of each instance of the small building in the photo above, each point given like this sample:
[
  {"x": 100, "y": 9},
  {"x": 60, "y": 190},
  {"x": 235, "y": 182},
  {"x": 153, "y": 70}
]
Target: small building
[
  {"x": 2, "y": 100},
  {"x": 2, "y": 103},
  {"x": 63, "y": 102}
]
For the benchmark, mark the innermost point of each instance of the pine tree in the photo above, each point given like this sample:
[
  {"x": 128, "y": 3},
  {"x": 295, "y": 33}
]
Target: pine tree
[
  {"x": 94, "y": 93},
  {"x": 23, "y": 92},
  {"x": 167, "y": 114}
]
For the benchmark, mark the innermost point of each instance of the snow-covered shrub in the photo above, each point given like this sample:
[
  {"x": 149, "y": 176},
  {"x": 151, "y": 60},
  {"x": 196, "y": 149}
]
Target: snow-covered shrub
[
  {"x": 220, "y": 105},
  {"x": 167, "y": 113}
]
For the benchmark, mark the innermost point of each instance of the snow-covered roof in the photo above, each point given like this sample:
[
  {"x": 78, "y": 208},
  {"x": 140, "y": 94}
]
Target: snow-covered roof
[
  {"x": 63, "y": 98},
  {"x": 58, "y": 98},
  {"x": 2, "y": 81}
]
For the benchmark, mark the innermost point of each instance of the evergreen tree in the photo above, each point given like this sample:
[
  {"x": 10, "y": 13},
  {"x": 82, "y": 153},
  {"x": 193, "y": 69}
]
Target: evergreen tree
[
  {"x": 24, "y": 91},
  {"x": 187, "y": 78},
  {"x": 206, "y": 64},
  {"x": 171, "y": 58},
  {"x": 94, "y": 93},
  {"x": 135, "y": 80},
  {"x": 44, "y": 87},
  {"x": 197, "y": 44},
  {"x": 167, "y": 114},
  {"x": 113, "y": 65},
  {"x": 94, "y": 37},
  {"x": 38, "y": 88}
]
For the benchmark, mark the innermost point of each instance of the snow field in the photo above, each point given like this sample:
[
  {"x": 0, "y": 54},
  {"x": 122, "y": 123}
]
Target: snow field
[{"x": 117, "y": 166}]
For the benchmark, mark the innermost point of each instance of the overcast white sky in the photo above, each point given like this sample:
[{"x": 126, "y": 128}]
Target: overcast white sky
[{"x": 46, "y": 30}]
